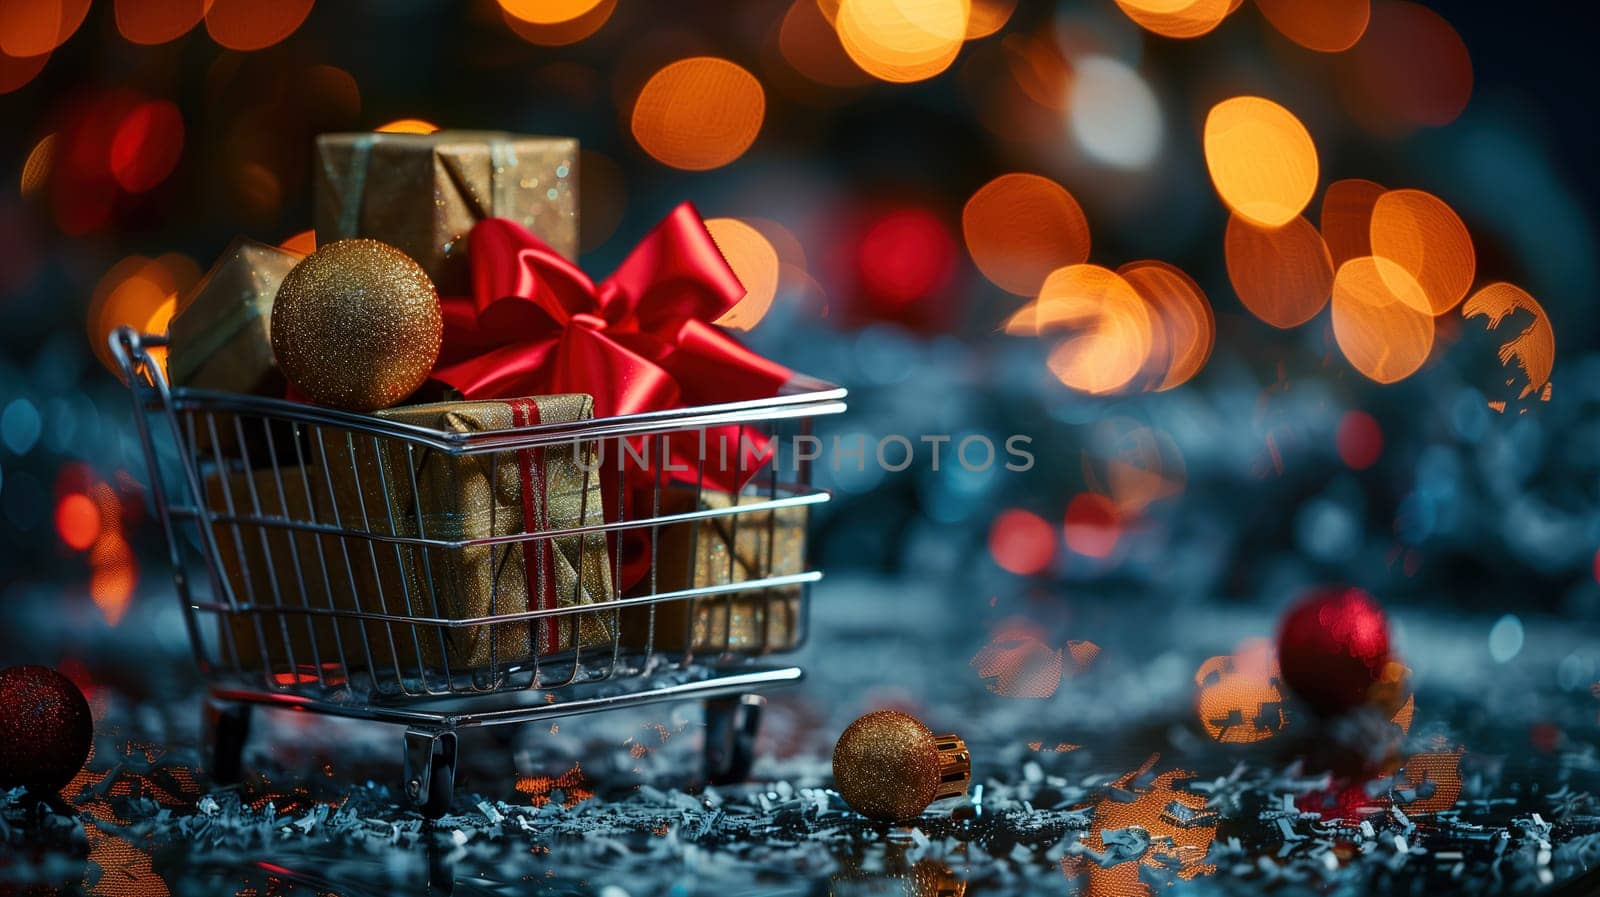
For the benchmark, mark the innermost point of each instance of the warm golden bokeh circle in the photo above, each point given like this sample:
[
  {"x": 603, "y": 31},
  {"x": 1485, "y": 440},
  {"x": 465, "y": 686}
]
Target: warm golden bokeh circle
[
  {"x": 547, "y": 12},
  {"x": 141, "y": 293},
  {"x": 249, "y": 25},
  {"x": 407, "y": 126},
  {"x": 143, "y": 22},
  {"x": 1328, "y": 26},
  {"x": 563, "y": 32},
  {"x": 1422, "y": 234},
  {"x": 38, "y": 27},
  {"x": 1183, "y": 327},
  {"x": 1533, "y": 348},
  {"x": 1283, "y": 275},
  {"x": 699, "y": 113},
  {"x": 989, "y": 16},
  {"x": 1110, "y": 321},
  {"x": 809, "y": 43},
  {"x": 1020, "y": 227},
  {"x": 1347, "y": 218},
  {"x": 1376, "y": 320},
  {"x": 1410, "y": 69},
  {"x": 1261, "y": 158},
  {"x": 903, "y": 40},
  {"x": 1177, "y": 18},
  {"x": 755, "y": 262}
]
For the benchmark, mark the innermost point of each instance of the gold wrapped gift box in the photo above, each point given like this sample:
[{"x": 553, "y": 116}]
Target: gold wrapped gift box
[
  {"x": 722, "y": 550},
  {"x": 219, "y": 337},
  {"x": 422, "y": 193},
  {"x": 385, "y": 487}
]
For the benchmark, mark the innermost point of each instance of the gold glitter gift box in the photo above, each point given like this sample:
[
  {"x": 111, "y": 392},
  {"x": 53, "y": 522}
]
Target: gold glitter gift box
[
  {"x": 721, "y": 550},
  {"x": 353, "y": 482},
  {"x": 220, "y": 337},
  {"x": 422, "y": 193}
]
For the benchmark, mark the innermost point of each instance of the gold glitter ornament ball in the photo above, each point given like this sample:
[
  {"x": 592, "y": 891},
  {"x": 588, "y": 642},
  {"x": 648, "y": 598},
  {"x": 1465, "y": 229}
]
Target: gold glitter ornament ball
[
  {"x": 356, "y": 325},
  {"x": 889, "y": 766}
]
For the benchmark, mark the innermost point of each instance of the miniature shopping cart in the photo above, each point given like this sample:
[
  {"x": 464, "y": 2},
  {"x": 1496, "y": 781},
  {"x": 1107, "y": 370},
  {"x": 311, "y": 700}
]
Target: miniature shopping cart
[{"x": 291, "y": 604}]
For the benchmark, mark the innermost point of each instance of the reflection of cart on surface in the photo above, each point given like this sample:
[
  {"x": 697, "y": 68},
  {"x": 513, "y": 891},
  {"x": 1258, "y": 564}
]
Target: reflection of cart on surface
[{"x": 315, "y": 575}]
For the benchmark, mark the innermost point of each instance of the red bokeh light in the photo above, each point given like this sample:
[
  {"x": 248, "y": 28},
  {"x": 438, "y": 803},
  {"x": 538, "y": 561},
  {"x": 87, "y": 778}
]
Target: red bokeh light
[
  {"x": 1093, "y": 525},
  {"x": 1022, "y": 542},
  {"x": 77, "y": 520},
  {"x": 146, "y": 145},
  {"x": 1360, "y": 440},
  {"x": 905, "y": 256}
]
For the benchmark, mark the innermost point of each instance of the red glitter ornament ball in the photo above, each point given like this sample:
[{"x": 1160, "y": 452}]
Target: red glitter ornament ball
[
  {"x": 1332, "y": 648},
  {"x": 45, "y": 728}
]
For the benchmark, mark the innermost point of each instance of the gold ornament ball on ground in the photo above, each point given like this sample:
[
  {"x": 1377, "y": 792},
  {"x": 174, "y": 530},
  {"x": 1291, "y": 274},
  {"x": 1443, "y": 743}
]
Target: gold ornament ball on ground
[
  {"x": 356, "y": 325},
  {"x": 889, "y": 766}
]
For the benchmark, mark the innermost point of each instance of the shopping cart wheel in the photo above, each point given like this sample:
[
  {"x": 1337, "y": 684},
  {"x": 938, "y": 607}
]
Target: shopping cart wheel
[
  {"x": 731, "y": 727},
  {"x": 227, "y": 727},
  {"x": 430, "y": 770}
]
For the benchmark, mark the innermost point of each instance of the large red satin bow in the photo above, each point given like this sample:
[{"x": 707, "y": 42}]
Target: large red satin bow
[{"x": 640, "y": 340}]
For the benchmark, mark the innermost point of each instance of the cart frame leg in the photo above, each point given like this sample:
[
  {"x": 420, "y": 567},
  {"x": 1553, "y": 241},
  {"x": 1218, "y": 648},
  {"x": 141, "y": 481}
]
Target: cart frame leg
[
  {"x": 430, "y": 770},
  {"x": 732, "y": 724}
]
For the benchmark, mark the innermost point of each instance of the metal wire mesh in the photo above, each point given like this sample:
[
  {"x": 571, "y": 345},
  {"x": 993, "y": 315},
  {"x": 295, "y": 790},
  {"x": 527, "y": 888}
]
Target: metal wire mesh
[{"x": 341, "y": 556}]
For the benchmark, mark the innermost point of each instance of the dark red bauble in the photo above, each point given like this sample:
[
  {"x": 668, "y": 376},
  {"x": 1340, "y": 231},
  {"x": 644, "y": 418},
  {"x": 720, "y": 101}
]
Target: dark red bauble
[
  {"x": 45, "y": 728},
  {"x": 1333, "y": 647}
]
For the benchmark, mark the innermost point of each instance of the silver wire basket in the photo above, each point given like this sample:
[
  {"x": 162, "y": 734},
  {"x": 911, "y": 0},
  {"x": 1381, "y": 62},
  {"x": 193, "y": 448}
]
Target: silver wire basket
[{"x": 294, "y": 599}]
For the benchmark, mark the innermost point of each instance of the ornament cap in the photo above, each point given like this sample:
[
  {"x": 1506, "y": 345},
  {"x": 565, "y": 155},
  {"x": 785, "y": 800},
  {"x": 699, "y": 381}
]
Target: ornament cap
[{"x": 955, "y": 766}]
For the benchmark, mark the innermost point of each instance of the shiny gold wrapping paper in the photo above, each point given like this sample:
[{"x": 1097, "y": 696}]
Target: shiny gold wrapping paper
[
  {"x": 422, "y": 193},
  {"x": 719, "y": 551},
  {"x": 220, "y": 336},
  {"x": 355, "y": 481}
]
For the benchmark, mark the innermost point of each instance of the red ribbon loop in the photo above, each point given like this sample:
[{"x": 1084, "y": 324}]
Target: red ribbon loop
[{"x": 640, "y": 340}]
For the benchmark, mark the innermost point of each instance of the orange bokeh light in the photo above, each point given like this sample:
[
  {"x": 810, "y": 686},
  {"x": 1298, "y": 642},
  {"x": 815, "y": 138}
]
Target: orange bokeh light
[
  {"x": 407, "y": 126},
  {"x": 1020, "y": 227},
  {"x": 16, "y": 72},
  {"x": 548, "y": 12},
  {"x": 146, "y": 145},
  {"x": 113, "y": 575},
  {"x": 1410, "y": 69},
  {"x": 1181, "y": 19},
  {"x": 1017, "y": 663},
  {"x": 1093, "y": 526},
  {"x": 987, "y": 17},
  {"x": 1177, "y": 822},
  {"x": 1240, "y": 697},
  {"x": 810, "y": 44},
  {"x": 36, "y": 169},
  {"x": 143, "y": 22},
  {"x": 1133, "y": 465},
  {"x": 903, "y": 40},
  {"x": 247, "y": 25},
  {"x": 37, "y": 27},
  {"x": 564, "y": 32},
  {"x": 1328, "y": 26},
  {"x": 1533, "y": 349},
  {"x": 1423, "y": 235},
  {"x": 755, "y": 262},
  {"x": 141, "y": 293},
  {"x": 1022, "y": 542},
  {"x": 1262, "y": 160},
  {"x": 302, "y": 244},
  {"x": 699, "y": 113},
  {"x": 1376, "y": 319},
  {"x": 1183, "y": 327},
  {"x": 77, "y": 521},
  {"x": 1113, "y": 323},
  {"x": 1283, "y": 275},
  {"x": 1347, "y": 218}
]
